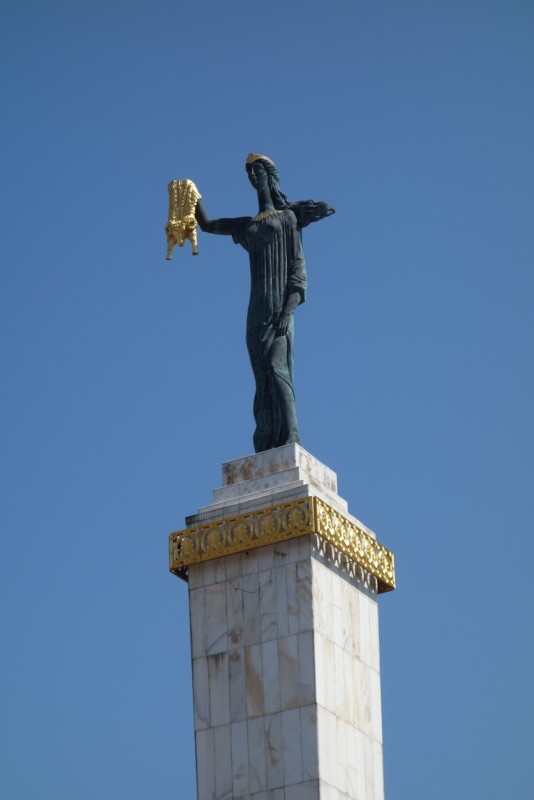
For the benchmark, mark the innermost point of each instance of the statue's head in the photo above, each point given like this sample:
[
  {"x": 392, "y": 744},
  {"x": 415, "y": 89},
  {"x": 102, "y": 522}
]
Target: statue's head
[{"x": 257, "y": 167}]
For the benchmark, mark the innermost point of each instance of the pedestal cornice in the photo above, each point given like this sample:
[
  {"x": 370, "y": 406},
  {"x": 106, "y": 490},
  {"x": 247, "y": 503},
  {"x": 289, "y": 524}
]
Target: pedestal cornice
[{"x": 258, "y": 528}]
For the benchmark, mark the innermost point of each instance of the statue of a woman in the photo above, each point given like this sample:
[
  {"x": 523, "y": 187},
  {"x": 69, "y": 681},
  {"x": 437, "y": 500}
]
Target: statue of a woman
[{"x": 277, "y": 286}]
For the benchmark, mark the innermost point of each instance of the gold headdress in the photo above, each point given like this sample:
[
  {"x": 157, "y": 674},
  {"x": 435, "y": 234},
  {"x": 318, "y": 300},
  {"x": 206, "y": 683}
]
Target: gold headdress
[{"x": 252, "y": 157}]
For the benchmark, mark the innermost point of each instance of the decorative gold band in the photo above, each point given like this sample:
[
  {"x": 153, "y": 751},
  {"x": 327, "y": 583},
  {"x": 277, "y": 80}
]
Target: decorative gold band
[{"x": 266, "y": 526}]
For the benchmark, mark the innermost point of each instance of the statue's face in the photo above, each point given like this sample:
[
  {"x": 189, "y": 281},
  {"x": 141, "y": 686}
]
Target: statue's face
[{"x": 257, "y": 175}]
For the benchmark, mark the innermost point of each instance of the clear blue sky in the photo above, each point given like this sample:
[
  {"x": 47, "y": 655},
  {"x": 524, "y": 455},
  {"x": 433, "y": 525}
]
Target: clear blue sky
[{"x": 126, "y": 380}]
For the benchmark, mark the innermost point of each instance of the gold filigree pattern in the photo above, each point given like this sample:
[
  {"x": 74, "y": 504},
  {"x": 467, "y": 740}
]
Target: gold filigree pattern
[
  {"x": 356, "y": 544},
  {"x": 302, "y": 517},
  {"x": 238, "y": 534}
]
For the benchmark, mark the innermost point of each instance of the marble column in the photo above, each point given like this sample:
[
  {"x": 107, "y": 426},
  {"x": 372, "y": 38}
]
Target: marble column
[{"x": 283, "y": 586}]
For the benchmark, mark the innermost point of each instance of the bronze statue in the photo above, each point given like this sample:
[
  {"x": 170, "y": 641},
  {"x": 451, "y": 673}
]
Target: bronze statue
[{"x": 273, "y": 241}]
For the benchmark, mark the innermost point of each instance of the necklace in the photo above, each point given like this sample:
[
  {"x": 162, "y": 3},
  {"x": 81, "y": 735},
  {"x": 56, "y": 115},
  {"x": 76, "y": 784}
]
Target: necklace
[{"x": 265, "y": 215}]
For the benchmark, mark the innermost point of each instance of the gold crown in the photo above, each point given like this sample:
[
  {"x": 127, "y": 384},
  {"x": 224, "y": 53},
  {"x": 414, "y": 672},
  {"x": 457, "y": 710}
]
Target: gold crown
[{"x": 252, "y": 157}]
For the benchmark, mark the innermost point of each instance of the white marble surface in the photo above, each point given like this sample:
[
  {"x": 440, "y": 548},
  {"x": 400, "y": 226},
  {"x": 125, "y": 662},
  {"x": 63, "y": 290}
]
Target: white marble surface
[
  {"x": 266, "y": 479},
  {"x": 259, "y": 485},
  {"x": 285, "y": 493},
  {"x": 284, "y": 641},
  {"x": 286, "y": 677},
  {"x": 270, "y": 462},
  {"x": 240, "y": 760}
]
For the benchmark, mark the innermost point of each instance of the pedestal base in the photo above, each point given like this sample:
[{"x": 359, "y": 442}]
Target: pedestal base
[{"x": 285, "y": 648}]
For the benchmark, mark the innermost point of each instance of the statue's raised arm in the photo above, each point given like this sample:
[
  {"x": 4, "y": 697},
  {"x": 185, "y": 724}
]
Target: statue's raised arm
[
  {"x": 278, "y": 285},
  {"x": 226, "y": 226}
]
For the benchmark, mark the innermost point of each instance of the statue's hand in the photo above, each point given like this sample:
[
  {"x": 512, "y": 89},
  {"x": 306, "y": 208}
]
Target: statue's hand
[{"x": 283, "y": 323}]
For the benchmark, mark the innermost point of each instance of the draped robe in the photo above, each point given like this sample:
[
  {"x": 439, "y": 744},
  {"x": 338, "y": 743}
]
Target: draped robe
[{"x": 277, "y": 269}]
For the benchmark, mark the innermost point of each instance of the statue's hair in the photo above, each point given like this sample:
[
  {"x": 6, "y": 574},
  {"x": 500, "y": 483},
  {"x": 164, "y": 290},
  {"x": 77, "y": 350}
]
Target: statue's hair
[{"x": 279, "y": 199}]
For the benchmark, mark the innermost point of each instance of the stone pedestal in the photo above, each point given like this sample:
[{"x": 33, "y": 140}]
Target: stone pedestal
[{"x": 284, "y": 635}]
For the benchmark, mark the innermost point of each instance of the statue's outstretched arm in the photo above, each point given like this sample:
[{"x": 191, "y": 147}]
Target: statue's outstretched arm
[{"x": 224, "y": 226}]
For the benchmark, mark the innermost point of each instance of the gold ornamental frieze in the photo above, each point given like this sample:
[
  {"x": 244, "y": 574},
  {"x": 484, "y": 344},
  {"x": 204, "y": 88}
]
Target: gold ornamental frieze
[
  {"x": 302, "y": 517},
  {"x": 356, "y": 544}
]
